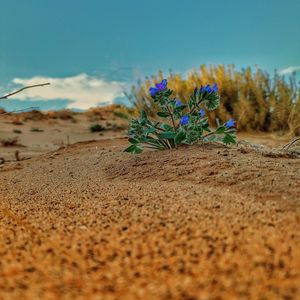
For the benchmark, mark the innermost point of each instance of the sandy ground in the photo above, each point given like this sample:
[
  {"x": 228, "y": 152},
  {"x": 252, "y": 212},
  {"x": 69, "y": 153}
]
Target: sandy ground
[
  {"x": 38, "y": 134},
  {"x": 204, "y": 222}
]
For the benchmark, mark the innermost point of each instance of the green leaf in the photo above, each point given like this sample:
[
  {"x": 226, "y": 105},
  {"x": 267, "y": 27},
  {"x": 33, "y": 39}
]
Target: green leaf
[
  {"x": 206, "y": 128},
  {"x": 163, "y": 114},
  {"x": 133, "y": 149},
  {"x": 181, "y": 107},
  {"x": 180, "y": 136},
  {"x": 138, "y": 150},
  {"x": 212, "y": 102},
  {"x": 149, "y": 130},
  {"x": 144, "y": 118},
  {"x": 167, "y": 135},
  {"x": 229, "y": 139},
  {"x": 133, "y": 141},
  {"x": 220, "y": 130},
  {"x": 166, "y": 126},
  {"x": 143, "y": 115},
  {"x": 192, "y": 136},
  {"x": 130, "y": 149}
]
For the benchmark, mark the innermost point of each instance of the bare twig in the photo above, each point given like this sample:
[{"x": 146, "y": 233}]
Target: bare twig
[
  {"x": 22, "y": 89},
  {"x": 288, "y": 145}
]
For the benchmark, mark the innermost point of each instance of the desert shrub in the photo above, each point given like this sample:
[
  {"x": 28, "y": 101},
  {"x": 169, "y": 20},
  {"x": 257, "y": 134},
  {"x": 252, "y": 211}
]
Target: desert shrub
[
  {"x": 97, "y": 128},
  {"x": 254, "y": 99},
  {"x": 64, "y": 114},
  {"x": 183, "y": 123},
  {"x": 34, "y": 129},
  {"x": 102, "y": 113},
  {"x": 95, "y": 114},
  {"x": 17, "y": 122},
  {"x": 9, "y": 142},
  {"x": 34, "y": 115},
  {"x": 18, "y": 131}
]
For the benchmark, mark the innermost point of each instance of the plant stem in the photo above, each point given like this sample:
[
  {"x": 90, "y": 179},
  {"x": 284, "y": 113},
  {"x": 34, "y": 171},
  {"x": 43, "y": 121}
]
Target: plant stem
[
  {"x": 172, "y": 117},
  {"x": 211, "y": 133}
]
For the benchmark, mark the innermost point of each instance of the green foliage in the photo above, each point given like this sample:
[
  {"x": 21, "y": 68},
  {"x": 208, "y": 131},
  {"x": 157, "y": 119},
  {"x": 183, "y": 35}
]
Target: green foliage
[
  {"x": 97, "y": 128},
  {"x": 254, "y": 99},
  {"x": 182, "y": 123}
]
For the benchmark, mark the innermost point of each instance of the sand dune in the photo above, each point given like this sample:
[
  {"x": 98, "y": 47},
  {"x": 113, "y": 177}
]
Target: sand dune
[{"x": 203, "y": 222}]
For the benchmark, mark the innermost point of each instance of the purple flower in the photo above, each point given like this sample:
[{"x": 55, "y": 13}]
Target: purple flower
[
  {"x": 158, "y": 87},
  {"x": 229, "y": 123},
  {"x": 202, "y": 112},
  {"x": 178, "y": 103},
  {"x": 184, "y": 120}
]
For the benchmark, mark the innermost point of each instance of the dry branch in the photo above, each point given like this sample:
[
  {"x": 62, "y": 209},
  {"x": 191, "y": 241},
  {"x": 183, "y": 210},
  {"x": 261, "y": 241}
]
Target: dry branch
[{"x": 22, "y": 89}]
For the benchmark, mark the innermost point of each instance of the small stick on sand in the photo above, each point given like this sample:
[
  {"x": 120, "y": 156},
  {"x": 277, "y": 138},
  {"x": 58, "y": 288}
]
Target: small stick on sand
[{"x": 288, "y": 145}]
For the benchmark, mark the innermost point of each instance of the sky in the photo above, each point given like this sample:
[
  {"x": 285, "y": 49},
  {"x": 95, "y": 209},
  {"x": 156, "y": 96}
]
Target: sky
[{"x": 91, "y": 51}]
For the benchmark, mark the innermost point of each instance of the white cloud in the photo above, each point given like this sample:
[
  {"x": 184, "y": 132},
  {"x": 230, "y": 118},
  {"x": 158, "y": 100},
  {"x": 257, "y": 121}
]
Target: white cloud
[
  {"x": 288, "y": 70},
  {"x": 83, "y": 90}
]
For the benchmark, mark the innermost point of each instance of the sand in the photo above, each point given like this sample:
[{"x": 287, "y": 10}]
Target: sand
[{"x": 89, "y": 221}]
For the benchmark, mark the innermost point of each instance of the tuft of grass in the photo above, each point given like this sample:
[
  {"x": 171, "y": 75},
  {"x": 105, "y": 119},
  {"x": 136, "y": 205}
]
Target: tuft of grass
[
  {"x": 18, "y": 131},
  {"x": 97, "y": 128}
]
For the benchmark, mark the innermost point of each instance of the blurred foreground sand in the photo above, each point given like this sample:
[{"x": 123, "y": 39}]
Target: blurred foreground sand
[{"x": 88, "y": 221}]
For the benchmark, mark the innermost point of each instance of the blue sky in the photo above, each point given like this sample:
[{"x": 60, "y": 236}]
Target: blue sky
[{"x": 87, "y": 45}]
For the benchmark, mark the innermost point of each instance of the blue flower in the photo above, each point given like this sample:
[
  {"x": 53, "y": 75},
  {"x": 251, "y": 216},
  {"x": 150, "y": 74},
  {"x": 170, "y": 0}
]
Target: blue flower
[
  {"x": 158, "y": 87},
  {"x": 178, "y": 103},
  {"x": 229, "y": 123},
  {"x": 163, "y": 85},
  {"x": 153, "y": 91},
  {"x": 215, "y": 88},
  {"x": 202, "y": 112},
  {"x": 209, "y": 89},
  {"x": 184, "y": 120}
]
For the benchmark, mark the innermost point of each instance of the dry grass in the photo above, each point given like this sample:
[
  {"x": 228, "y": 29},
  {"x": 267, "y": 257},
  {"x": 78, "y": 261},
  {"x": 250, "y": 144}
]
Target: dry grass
[
  {"x": 63, "y": 114},
  {"x": 104, "y": 113}
]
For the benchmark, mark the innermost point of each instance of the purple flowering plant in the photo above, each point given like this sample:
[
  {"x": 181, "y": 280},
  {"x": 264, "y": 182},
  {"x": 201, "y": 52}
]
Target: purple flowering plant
[{"x": 181, "y": 123}]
